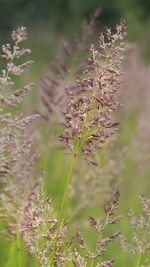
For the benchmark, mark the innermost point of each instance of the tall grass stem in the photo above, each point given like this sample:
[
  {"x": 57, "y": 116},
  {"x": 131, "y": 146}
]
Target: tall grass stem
[
  {"x": 62, "y": 207},
  {"x": 19, "y": 251}
]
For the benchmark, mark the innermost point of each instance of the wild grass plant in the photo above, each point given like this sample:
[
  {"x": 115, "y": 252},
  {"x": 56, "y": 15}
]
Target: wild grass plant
[{"x": 78, "y": 120}]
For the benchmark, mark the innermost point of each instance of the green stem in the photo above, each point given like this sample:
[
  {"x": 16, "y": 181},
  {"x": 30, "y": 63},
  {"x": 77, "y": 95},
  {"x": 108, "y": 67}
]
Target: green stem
[
  {"x": 11, "y": 254},
  {"x": 102, "y": 229},
  {"x": 138, "y": 261},
  {"x": 66, "y": 188},
  {"x": 79, "y": 143},
  {"x": 62, "y": 206},
  {"x": 19, "y": 250}
]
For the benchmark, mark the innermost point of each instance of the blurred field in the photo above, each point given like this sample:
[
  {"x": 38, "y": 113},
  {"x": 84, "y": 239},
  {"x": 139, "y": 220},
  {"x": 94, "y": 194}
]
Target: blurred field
[{"x": 44, "y": 45}]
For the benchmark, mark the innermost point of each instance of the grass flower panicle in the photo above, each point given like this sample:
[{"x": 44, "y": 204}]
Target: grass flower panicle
[
  {"x": 88, "y": 110},
  {"x": 80, "y": 98},
  {"x": 11, "y": 54},
  {"x": 17, "y": 153},
  {"x": 63, "y": 72},
  {"x": 38, "y": 229},
  {"x": 140, "y": 245},
  {"x": 97, "y": 255},
  {"x": 89, "y": 105}
]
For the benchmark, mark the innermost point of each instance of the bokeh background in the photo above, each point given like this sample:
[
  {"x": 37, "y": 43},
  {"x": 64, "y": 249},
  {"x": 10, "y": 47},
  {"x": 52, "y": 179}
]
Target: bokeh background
[
  {"x": 66, "y": 15},
  {"x": 59, "y": 17},
  {"x": 48, "y": 23}
]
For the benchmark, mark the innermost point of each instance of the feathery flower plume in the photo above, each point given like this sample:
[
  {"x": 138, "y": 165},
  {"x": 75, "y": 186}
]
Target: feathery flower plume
[
  {"x": 38, "y": 229},
  {"x": 89, "y": 108},
  {"x": 11, "y": 54},
  {"x": 62, "y": 72},
  {"x": 26, "y": 212},
  {"x": 140, "y": 246},
  {"x": 97, "y": 255},
  {"x": 91, "y": 102},
  {"x": 17, "y": 156}
]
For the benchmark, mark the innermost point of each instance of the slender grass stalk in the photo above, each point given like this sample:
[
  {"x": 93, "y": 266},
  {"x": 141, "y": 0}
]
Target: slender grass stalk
[
  {"x": 92, "y": 262},
  {"x": 11, "y": 253},
  {"x": 68, "y": 182},
  {"x": 19, "y": 251},
  {"x": 138, "y": 261},
  {"x": 100, "y": 236},
  {"x": 69, "y": 178},
  {"x": 81, "y": 136},
  {"x": 62, "y": 206}
]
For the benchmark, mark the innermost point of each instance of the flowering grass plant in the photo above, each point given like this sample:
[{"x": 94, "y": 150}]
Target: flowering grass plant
[{"x": 80, "y": 101}]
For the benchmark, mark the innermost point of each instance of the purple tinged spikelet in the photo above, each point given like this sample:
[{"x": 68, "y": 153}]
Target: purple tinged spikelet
[
  {"x": 100, "y": 229},
  {"x": 140, "y": 225},
  {"x": 89, "y": 108},
  {"x": 17, "y": 142}
]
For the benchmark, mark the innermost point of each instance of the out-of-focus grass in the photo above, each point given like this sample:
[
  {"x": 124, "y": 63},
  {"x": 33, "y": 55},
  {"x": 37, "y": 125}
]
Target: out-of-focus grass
[{"x": 56, "y": 164}]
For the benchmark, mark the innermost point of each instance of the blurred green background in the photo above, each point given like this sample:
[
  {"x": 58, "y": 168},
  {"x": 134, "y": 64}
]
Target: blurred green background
[
  {"x": 49, "y": 22},
  {"x": 67, "y": 14}
]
